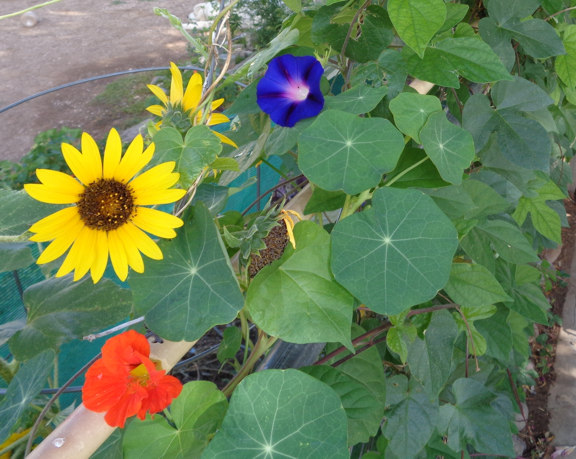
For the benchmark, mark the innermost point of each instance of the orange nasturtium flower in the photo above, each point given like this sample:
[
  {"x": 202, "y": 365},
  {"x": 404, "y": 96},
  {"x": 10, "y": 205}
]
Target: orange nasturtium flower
[
  {"x": 107, "y": 216},
  {"x": 187, "y": 102},
  {"x": 126, "y": 382}
]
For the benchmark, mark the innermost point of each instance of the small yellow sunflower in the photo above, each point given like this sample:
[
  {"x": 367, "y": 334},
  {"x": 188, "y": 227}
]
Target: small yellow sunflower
[
  {"x": 187, "y": 101},
  {"x": 107, "y": 217}
]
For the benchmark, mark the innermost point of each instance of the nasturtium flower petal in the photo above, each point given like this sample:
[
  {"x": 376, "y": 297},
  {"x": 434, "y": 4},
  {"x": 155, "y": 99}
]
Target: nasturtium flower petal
[{"x": 125, "y": 382}]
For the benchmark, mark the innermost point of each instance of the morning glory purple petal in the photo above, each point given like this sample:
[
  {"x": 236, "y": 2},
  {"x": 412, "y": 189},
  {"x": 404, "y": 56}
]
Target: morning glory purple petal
[{"x": 290, "y": 89}]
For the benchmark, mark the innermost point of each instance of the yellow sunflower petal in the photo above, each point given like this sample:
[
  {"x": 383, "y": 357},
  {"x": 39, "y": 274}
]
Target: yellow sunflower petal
[
  {"x": 215, "y": 104},
  {"x": 112, "y": 154},
  {"x": 100, "y": 256},
  {"x": 225, "y": 139},
  {"x": 59, "y": 182},
  {"x": 44, "y": 194},
  {"x": 59, "y": 245},
  {"x": 160, "y": 176},
  {"x": 134, "y": 160},
  {"x": 118, "y": 255},
  {"x": 217, "y": 118},
  {"x": 160, "y": 197},
  {"x": 132, "y": 253},
  {"x": 91, "y": 157},
  {"x": 176, "y": 86},
  {"x": 158, "y": 223},
  {"x": 157, "y": 110},
  {"x": 159, "y": 92},
  {"x": 74, "y": 258},
  {"x": 193, "y": 92},
  {"x": 144, "y": 243},
  {"x": 56, "y": 222},
  {"x": 77, "y": 163},
  {"x": 86, "y": 244}
]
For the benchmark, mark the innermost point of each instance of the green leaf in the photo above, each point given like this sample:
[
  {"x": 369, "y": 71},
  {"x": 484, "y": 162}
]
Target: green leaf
[
  {"x": 520, "y": 94},
  {"x": 474, "y": 420},
  {"x": 565, "y": 65},
  {"x": 375, "y": 36},
  {"x": 26, "y": 385},
  {"x": 111, "y": 448},
  {"x": 230, "y": 344},
  {"x": 323, "y": 201},
  {"x": 192, "y": 154},
  {"x": 282, "y": 413},
  {"x": 455, "y": 12},
  {"x": 414, "y": 170},
  {"x": 469, "y": 57},
  {"x": 197, "y": 414},
  {"x": 8, "y": 329},
  {"x": 411, "y": 112},
  {"x": 19, "y": 211},
  {"x": 396, "y": 254},
  {"x": 365, "y": 368},
  {"x": 60, "y": 310},
  {"x": 417, "y": 21},
  {"x": 15, "y": 256},
  {"x": 496, "y": 331},
  {"x": 508, "y": 241},
  {"x": 399, "y": 337},
  {"x": 521, "y": 140},
  {"x": 297, "y": 298},
  {"x": 409, "y": 423},
  {"x": 528, "y": 299},
  {"x": 545, "y": 219},
  {"x": 341, "y": 151},
  {"x": 430, "y": 359},
  {"x": 199, "y": 287},
  {"x": 504, "y": 10},
  {"x": 538, "y": 38},
  {"x": 224, "y": 164},
  {"x": 363, "y": 409},
  {"x": 450, "y": 147},
  {"x": 357, "y": 100},
  {"x": 499, "y": 40},
  {"x": 473, "y": 285},
  {"x": 294, "y": 5}
]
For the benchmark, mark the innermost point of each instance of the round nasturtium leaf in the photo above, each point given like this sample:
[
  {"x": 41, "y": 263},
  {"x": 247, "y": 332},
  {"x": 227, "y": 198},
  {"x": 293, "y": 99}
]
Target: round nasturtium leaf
[
  {"x": 396, "y": 254},
  {"x": 341, "y": 151},
  {"x": 282, "y": 413}
]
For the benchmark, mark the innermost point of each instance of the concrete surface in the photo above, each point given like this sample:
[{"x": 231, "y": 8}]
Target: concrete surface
[{"x": 562, "y": 397}]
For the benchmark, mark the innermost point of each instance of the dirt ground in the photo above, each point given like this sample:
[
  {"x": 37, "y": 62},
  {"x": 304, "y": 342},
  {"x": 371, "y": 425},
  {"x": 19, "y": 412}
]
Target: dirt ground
[{"x": 73, "y": 40}]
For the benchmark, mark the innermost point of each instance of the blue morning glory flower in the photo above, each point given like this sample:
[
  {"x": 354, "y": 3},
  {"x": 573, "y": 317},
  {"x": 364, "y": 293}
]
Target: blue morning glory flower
[{"x": 290, "y": 89}]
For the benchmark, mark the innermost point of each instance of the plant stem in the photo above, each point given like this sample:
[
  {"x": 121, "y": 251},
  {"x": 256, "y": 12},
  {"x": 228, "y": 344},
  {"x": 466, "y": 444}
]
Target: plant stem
[
  {"x": 260, "y": 348},
  {"x": 13, "y": 445},
  {"x": 28, "y": 9},
  {"x": 369, "y": 334},
  {"x": 549, "y": 17},
  {"x": 405, "y": 171}
]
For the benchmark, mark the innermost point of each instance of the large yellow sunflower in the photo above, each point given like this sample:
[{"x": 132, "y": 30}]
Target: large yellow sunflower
[
  {"x": 108, "y": 217},
  {"x": 187, "y": 101}
]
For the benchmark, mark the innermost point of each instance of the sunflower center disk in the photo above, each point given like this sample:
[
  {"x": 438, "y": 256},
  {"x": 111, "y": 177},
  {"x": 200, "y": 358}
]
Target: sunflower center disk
[{"x": 106, "y": 204}]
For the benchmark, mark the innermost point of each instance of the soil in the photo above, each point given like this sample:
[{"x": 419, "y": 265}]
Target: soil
[
  {"x": 536, "y": 434},
  {"x": 73, "y": 40}
]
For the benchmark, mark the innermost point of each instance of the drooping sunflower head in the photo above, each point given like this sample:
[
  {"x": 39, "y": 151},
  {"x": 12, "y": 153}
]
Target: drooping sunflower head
[
  {"x": 106, "y": 216},
  {"x": 180, "y": 108}
]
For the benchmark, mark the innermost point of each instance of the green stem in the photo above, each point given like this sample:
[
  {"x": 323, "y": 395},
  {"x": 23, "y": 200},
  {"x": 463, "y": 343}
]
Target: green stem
[
  {"x": 28, "y": 9},
  {"x": 352, "y": 204},
  {"x": 260, "y": 348},
  {"x": 405, "y": 171},
  {"x": 12, "y": 446}
]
